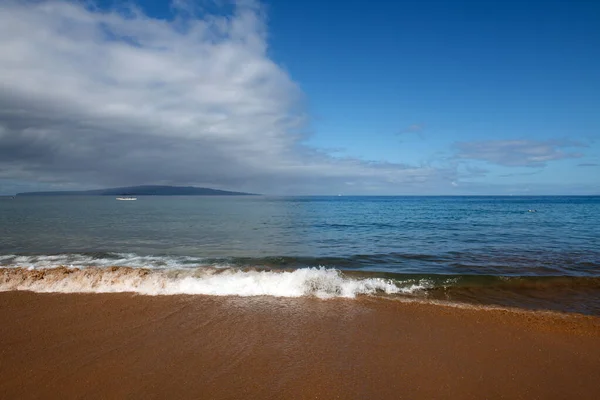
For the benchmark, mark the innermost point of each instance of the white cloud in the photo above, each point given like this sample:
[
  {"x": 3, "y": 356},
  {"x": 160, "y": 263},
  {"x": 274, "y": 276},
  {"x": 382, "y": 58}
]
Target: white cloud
[
  {"x": 102, "y": 98},
  {"x": 517, "y": 153}
]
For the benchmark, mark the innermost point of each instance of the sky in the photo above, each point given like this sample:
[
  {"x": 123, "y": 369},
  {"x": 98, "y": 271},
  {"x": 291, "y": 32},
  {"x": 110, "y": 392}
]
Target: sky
[{"x": 302, "y": 97}]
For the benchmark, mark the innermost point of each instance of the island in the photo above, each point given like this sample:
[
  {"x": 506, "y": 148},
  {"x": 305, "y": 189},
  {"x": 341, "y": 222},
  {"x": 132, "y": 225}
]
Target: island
[{"x": 146, "y": 190}]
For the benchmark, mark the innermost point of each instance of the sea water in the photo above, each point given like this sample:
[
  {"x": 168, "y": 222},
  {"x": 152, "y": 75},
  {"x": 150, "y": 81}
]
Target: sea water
[{"x": 532, "y": 252}]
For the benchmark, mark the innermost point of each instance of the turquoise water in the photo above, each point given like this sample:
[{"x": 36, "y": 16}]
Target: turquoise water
[{"x": 478, "y": 241}]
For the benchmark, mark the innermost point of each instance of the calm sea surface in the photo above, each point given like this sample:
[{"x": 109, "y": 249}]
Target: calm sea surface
[{"x": 492, "y": 244}]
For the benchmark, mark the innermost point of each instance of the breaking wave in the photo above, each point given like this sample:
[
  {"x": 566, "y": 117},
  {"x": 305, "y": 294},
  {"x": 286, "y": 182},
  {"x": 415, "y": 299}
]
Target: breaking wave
[
  {"x": 318, "y": 282},
  {"x": 105, "y": 272}
]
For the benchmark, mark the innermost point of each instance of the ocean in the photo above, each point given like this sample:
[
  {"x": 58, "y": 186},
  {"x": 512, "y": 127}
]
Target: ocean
[{"x": 538, "y": 253}]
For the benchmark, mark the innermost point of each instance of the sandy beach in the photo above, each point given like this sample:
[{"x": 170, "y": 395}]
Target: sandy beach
[{"x": 203, "y": 347}]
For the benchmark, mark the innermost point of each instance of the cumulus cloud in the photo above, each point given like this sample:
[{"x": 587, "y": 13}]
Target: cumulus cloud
[
  {"x": 97, "y": 98},
  {"x": 517, "y": 153}
]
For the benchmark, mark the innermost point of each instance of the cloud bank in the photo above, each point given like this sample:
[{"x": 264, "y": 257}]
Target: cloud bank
[{"x": 94, "y": 98}]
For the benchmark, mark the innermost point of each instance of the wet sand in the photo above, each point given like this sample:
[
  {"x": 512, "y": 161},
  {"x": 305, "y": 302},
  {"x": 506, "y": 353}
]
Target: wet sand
[{"x": 202, "y": 347}]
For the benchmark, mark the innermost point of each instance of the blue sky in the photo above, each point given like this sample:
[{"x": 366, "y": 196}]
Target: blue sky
[
  {"x": 413, "y": 97},
  {"x": 459, "y": 70}
]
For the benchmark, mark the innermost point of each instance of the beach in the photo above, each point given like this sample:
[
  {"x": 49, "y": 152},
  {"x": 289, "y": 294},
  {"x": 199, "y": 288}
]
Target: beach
[
  {"x": 121, "y": 345},
  {"x": 281, "y": 200},
  {"x": 300, "y": 298}
]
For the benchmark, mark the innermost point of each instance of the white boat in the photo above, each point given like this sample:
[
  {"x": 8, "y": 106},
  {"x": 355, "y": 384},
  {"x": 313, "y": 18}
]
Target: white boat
[{"x": 127, "y": 198}]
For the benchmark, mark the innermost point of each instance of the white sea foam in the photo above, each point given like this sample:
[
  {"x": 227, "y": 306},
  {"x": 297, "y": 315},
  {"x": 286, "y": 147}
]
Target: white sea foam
[
  {"x": 318, "y": 282},
  {"x": 114, "y": 259}
]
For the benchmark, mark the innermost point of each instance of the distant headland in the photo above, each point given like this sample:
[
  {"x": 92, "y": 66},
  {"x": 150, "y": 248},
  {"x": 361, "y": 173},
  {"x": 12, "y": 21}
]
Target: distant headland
[{"x": 147, "y": 190}]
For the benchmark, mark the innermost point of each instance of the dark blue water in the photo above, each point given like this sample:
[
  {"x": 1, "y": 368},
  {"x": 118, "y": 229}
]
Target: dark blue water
[{"x": 421, "y": 236}]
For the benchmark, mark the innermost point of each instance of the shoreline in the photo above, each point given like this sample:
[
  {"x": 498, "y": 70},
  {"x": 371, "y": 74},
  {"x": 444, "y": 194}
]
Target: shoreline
[
  {"x": 568, "y": 294},
  {"x": 132, "y": 346}
]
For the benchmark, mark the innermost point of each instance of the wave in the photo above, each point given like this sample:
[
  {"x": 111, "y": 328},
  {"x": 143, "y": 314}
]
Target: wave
[
  {"x": 319, "y": 282},
  {"x": 103, "y": 272},
  {"x": 451, "y": 263},
  {"x": 104, "y": 259}
]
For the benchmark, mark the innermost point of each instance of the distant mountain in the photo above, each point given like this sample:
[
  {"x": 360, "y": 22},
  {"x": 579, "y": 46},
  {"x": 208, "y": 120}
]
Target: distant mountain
[{"x": 142, "y": 191}]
